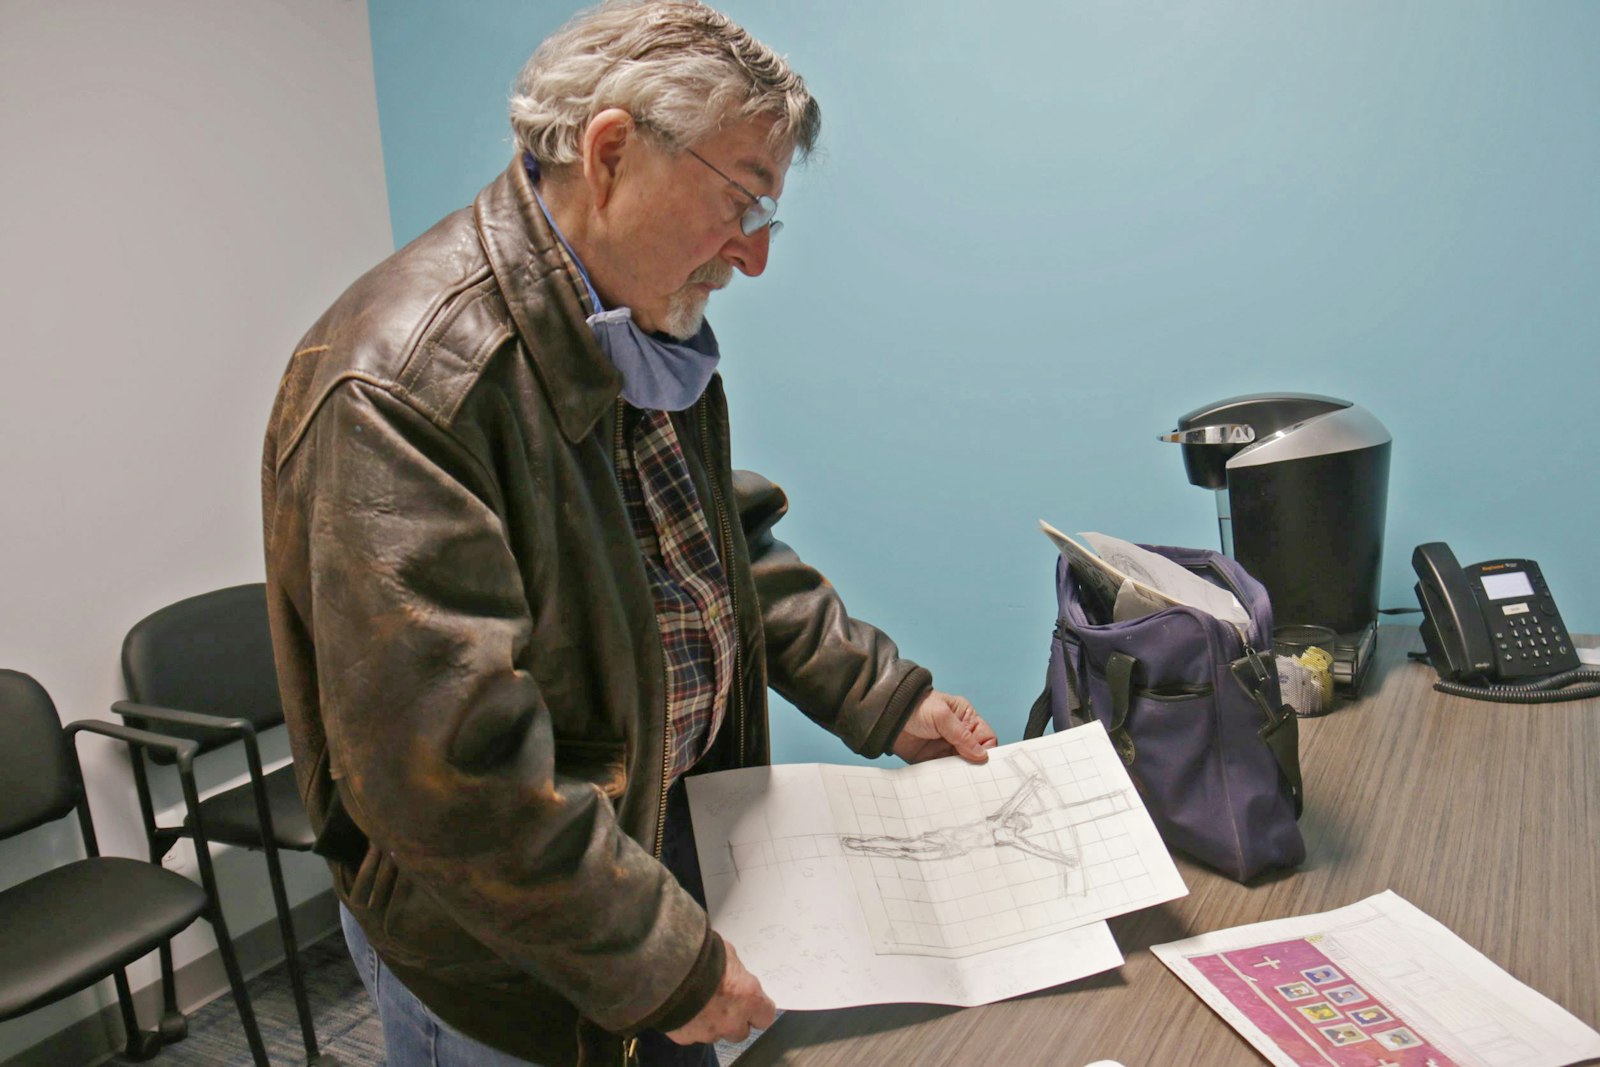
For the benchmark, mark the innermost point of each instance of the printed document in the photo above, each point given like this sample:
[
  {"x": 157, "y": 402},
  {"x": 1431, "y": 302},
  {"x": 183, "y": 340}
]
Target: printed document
[
  {"x": 945, "y": 882},
  {"x": 1378, "y": 982}
]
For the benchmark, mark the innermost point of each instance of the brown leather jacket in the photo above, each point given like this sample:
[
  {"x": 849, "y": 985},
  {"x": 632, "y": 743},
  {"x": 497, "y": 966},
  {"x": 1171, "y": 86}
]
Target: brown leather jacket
[{"x": 468, "y": 651}]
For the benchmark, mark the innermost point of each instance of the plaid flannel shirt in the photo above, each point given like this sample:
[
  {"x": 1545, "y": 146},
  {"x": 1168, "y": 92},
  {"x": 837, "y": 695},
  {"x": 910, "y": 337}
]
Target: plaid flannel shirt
[{"x": 694, "y": 610}]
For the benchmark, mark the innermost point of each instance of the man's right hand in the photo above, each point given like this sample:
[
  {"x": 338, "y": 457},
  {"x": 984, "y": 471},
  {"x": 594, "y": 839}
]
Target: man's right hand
[{"x": 737, "y": 1005}]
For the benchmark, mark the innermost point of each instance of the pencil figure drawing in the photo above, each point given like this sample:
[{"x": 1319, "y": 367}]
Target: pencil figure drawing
[{"x": 1032, "y": 820}]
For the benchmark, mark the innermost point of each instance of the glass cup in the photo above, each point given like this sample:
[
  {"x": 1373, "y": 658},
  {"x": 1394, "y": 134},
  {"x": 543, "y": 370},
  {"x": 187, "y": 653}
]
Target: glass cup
[{"x": 1304, "y": 656}]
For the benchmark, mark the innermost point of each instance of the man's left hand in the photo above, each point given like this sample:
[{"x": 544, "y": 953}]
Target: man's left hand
[{"x": 941, "y": 725}]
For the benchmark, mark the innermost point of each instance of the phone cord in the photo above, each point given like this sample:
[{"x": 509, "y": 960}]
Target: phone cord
[{"x": 1568, "y": 685}]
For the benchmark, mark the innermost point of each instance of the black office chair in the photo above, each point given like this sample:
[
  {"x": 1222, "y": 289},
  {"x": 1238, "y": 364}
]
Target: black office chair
[
  {"x": 202, "y": 669},
  {"x": 74, "y": 925}
]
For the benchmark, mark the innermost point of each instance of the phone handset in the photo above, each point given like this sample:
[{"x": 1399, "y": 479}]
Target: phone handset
[{"x": 1453, "y": 629}]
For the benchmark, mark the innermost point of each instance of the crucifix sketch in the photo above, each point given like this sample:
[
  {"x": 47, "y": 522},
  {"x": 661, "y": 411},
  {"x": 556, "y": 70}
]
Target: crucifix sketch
[
  {"x": 952, "y": 859},
  {"x": 1011, "y": 825}
]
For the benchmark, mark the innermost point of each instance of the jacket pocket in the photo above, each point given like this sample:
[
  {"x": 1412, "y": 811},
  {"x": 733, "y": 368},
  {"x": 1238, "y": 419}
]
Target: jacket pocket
[{"x": 603, "y": 764}]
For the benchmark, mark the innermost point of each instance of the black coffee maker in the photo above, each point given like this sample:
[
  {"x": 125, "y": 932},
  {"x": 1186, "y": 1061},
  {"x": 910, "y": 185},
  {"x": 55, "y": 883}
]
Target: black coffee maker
[{"x": 1302, "y": 487}]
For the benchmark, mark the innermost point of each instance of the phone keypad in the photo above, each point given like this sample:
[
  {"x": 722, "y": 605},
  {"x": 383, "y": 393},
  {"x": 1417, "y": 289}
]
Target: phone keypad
[{"x": 1529, "y": 641}]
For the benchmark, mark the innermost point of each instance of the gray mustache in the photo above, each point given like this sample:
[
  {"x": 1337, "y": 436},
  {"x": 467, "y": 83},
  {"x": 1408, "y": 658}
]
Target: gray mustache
[{"x": 717, "y": 273}]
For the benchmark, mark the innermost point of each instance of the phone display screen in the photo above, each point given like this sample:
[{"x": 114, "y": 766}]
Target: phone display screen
[{"x": 1510, "y": 584}]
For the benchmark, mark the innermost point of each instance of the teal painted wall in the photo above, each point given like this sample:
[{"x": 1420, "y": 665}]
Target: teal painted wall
[{"x": 1040, "y": 231}]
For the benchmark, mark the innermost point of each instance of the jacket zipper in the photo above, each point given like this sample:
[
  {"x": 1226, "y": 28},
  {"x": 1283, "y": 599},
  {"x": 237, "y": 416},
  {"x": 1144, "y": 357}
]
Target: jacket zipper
[
  {"x": 666, "y": 758},
  {"x": 666, "y": 681},
  {"x": 737, "y": 689},
  {"x": 630, "y": 1047}
]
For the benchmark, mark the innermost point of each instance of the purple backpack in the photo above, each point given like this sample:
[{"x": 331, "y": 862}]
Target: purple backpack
[{"x": 1192, "y": 707}]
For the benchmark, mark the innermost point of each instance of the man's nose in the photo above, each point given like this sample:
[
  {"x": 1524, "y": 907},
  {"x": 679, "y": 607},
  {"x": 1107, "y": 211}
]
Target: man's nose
[{"x": 749, "y": 254}]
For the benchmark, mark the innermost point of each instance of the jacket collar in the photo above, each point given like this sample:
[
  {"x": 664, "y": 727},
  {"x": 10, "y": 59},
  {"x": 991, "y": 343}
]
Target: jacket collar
[{"x": 540, "y": 291}]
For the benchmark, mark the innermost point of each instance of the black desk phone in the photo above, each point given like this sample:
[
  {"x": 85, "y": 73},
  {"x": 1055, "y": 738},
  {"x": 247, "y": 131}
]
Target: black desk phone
[{"x": 1493, "y": 632}]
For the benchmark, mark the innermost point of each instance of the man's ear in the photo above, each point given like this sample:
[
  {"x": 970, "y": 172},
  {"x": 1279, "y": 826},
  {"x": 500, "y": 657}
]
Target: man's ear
[{"x": 605, "y": 142}]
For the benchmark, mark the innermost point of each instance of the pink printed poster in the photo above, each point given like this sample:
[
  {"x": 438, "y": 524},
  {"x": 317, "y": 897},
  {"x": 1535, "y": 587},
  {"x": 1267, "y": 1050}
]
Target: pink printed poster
[
  {"x": 1312, "y": 1010},
  {"x": 1377, "y": 984}
]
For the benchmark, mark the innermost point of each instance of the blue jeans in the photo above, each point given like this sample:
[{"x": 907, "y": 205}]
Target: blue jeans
[{"x": 413, "y": 1036}]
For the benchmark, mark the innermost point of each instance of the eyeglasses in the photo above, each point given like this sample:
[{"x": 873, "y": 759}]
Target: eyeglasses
[{"x": 761, "y": 210}]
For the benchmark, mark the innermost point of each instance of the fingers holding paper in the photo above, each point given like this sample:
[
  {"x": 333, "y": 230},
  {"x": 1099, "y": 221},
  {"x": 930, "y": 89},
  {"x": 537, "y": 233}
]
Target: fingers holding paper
[
  {"x": 738, "y": 1005},
  {"x": 945, "y": 725}
]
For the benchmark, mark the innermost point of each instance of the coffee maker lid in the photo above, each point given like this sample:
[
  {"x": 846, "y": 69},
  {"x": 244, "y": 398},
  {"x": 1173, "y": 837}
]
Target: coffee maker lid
[
  {"x": 1242, "y": 420},
  {"x": 1344, "y": 430}
]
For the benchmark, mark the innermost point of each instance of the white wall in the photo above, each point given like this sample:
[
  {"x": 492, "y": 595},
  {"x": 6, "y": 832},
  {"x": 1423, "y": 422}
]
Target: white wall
[
  {"x": 1040, "y": 231},
  {"x": 184, "y": 186}
]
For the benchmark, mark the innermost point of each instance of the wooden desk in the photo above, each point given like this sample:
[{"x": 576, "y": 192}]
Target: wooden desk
[{"x": 1485, "y": 816}]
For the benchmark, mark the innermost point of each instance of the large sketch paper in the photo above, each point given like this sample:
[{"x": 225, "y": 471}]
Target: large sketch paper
[
  {"x": 1379, "y": 981},
  {"x": 777, "y": 862}
]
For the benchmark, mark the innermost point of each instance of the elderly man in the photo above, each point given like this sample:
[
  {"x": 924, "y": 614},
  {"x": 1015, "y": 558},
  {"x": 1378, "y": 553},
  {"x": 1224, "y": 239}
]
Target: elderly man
[{"x": 517, "y": 589}]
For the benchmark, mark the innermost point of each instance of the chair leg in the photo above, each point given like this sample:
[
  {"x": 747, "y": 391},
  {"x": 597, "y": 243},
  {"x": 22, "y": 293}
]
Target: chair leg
[
  {"x": 174, "y": 1025},
  {"x": 141, "y": 1044},
  {"x": 241, "y": 997},
  {"x": 291, "y": 957}
]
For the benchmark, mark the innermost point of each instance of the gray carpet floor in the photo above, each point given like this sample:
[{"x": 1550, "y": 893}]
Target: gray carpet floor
[{"x": 347, "y": 1023}]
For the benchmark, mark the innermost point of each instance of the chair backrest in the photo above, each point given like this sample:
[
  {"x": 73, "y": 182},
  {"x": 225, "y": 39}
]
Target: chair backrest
[
  {"x": 211, "y": 653},
  {"x": 39, "y": 780}
]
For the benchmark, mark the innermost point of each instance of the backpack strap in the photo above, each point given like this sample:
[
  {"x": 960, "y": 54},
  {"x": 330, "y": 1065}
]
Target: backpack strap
[
  {"x": 1281, "y": 731},
  {"x": 1120, "y": 671},
  {"x": 1038, "y": 715}
]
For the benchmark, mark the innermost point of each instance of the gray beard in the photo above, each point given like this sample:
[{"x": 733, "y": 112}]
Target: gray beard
[
  {"x": 686, "y": 308},
  {"x": 686, "y": 312}
]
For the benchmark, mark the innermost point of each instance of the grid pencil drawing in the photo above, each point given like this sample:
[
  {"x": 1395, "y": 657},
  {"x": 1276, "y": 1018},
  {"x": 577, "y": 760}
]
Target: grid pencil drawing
[
  {"x": 962, "y": 859},
  {"x": 1009, "y": 826}
]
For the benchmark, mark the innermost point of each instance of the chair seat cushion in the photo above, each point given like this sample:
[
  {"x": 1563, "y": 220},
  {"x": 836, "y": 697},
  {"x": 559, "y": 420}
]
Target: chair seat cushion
[
  {"x": 69, "y": 927},
  {"x": 231, "y": 816}
]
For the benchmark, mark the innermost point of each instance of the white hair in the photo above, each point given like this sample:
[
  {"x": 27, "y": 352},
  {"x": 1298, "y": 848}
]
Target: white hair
[{"x": 678, "y": 67}]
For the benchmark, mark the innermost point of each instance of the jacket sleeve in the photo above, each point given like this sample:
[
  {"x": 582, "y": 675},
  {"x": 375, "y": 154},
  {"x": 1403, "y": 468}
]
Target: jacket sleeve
[
  {"x": 442, "y": 748},
  {"x": 845, "y": 674}
]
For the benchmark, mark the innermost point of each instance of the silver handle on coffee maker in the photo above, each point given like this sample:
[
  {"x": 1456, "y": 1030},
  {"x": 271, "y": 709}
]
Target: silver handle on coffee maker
[{"x": 1227, "y": 433}]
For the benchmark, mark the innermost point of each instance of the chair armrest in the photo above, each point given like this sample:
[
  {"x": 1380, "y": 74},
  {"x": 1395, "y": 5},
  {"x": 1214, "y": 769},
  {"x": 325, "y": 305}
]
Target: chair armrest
[
  {"x": 182, "y": 749},
  {"x": 199, "y": 720},
  {"x": 213, "y": 725}
]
